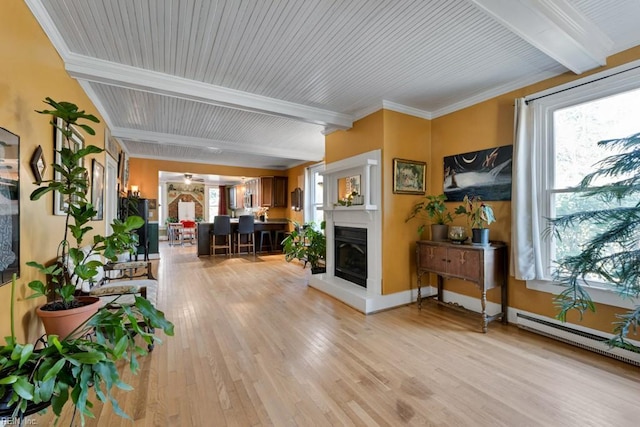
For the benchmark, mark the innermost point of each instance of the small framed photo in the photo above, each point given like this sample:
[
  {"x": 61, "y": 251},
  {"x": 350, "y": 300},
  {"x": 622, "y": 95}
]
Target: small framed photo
[
  {"x": 409, "y": 177},
  {"x": 75, "y": 143},
  {"x": 38, "y": 165},
  {"x": 97, "y": 190}
]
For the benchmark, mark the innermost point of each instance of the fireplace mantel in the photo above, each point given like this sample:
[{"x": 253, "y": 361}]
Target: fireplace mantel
[
  {"x": 367, "y": 216},
  {"x": 367, "y": 165}
]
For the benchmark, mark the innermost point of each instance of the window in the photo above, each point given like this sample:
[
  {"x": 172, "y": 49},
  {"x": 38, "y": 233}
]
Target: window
[
  {"x": 576, "y": 132},
  {"x": 214, "y": 199},
  {"x": 314, "y": 199},
  {"x": 556, "y": 147}
]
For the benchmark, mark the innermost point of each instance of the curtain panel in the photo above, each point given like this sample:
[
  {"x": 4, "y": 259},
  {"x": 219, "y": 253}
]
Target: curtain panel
[{"x": 526, "y": 225}]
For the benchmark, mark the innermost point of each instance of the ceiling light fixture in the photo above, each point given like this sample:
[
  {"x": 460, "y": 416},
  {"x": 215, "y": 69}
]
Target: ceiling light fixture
[{"x": 187, "y": 178}]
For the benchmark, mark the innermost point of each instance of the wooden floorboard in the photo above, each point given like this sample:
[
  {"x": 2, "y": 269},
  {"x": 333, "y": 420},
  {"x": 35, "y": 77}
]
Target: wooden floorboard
[{"x": 255, "y": 346}]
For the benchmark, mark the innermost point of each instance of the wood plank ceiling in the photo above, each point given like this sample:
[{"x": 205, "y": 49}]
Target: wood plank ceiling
[{"x": 257, "y": 83}]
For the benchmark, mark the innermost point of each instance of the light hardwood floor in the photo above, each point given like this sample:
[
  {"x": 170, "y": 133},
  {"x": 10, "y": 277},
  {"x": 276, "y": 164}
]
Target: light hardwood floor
[{"x": 255, "y": 346}]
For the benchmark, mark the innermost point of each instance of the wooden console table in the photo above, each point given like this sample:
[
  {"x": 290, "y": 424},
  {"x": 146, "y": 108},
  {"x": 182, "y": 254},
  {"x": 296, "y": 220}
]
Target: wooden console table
[{"x": 486, "y": 266}]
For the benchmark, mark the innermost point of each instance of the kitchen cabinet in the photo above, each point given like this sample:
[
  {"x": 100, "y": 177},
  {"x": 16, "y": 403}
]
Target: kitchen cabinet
[
  {"x": 273, "y": 191},
  {"x": 484, "y": 266}
]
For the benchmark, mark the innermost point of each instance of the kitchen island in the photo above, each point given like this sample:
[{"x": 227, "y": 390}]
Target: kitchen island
[{"x": 271, "y": 225}]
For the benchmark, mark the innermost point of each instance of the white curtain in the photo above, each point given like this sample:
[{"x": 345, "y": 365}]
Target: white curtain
[{"x": 526, "y": 259}]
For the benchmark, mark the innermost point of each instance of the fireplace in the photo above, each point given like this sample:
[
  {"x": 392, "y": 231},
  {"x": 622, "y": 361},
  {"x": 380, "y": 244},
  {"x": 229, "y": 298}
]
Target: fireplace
[{"x": 351, "y": 254}]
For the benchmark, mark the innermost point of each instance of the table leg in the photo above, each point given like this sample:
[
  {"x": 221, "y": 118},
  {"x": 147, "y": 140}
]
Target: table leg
[
  {"x": 485, "y": 321},
  {"x": 419, "y": 300}
]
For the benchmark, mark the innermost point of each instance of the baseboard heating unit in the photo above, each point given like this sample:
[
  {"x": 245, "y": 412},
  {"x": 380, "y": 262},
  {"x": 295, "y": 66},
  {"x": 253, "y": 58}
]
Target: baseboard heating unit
[{"x": 565, "y": 333}]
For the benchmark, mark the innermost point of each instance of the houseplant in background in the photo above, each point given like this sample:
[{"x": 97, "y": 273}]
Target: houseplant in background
[
  {"x": 479, "y": 215},
  {"x": 433, "y": 209},
  {"x": 608, "y": 254},
  {"x": 308, "y": 244}
]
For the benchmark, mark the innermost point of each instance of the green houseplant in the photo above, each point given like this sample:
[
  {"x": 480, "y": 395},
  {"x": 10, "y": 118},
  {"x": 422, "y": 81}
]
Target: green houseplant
[
  {"x": 65, "y": 369},
  {"x": 480, "y": 215},
  {"x": 308, "y": 244},
  {"x": 610, "y": 253},
  {"x": 75, "y": 265},
  {"x": 86, "y": 356},
  {"x": 433, "y": 209}
]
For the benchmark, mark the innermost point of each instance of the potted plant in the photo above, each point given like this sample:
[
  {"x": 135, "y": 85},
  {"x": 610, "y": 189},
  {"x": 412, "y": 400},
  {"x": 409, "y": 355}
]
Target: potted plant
[
  {"x": 32, "y": 379},
  {"x": 86, "y": 355},
  {"x": 66, "y": 311},
  {"x": 308, "y": 244},
  {"x": 435, "y": 211},
  {"x": 479, "y": 215},
  {"x": 352, "y": 198}
]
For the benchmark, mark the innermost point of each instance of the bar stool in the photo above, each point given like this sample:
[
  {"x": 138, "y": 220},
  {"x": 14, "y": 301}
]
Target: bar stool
[
  {"x": 263, "y": 234},
  {"x": 221, "y": 227},
  {"x": 280, "y": 236},
  {"x": 246, "y": 227}
]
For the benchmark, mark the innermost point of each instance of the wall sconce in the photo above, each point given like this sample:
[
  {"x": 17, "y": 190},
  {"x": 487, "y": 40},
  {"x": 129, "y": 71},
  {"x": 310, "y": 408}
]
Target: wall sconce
[
  {"x": 187, "y": 178},
  {"x": 135, "y": 191},
  {"x": 297, "y": 199}
]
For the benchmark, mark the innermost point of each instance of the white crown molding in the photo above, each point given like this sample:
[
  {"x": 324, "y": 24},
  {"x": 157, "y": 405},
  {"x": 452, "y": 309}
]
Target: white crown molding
[
  {"x": 96, "y": 70},
  {"x": 556, "y": 28},
  {"x": 399, "y": 108},
  {"x": 228, "y": 146},
  {"x": 49, "y": 28},
  {"x": 492, "y": 93},
  {"x": 97, "y": 102},
  {"x": 387, "y": 105}
]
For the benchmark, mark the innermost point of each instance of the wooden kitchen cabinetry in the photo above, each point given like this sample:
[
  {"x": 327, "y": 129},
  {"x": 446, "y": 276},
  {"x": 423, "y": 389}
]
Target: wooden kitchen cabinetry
[
  {"x": 485, "y": 266},
  {"x": 273, "y": 191}
]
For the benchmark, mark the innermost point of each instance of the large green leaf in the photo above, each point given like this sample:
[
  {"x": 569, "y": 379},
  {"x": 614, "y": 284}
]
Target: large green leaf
[{"x": 23, "y": 388}]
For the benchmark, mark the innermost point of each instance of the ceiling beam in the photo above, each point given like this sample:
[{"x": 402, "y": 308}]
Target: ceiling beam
[
  {"x": 307, "y": 154},
  {"x": 114, "y": 74},
  {"x": 556, "y": 28}
]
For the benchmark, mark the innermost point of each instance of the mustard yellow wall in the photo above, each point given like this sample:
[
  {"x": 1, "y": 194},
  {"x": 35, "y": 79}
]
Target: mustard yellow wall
[
  {"x": 490, "y": 124},
  {"x": 365, "y": 135},
  {"x": 397, "y": 135},
  {"x": 32, "y": 70},
  {"x": 405, "y": 137},
  {"x": 144, "y": 173}
]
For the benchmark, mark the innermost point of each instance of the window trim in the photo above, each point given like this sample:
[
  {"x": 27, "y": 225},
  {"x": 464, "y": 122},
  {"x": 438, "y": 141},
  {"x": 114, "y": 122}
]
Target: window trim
[
  {"x": 594, "y": 87},
  {"x": 309, "y": 206}
]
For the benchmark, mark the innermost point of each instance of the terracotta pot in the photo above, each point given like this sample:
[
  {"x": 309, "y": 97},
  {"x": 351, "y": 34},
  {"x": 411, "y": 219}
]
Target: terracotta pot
[{"x": 63, "y": 322}]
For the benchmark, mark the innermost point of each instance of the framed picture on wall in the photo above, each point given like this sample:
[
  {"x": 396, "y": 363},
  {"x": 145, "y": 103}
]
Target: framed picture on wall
[
  {"x": 75, "y": 142},
  {"x": 409, "y": 177},
  {"x": 9, "y": 205},
  {"x": 484, "y": 173}
]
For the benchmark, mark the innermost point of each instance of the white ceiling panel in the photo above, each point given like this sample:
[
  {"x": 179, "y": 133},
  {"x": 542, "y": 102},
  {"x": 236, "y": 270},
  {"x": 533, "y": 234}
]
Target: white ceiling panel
[{"x": 266, "y": 77}]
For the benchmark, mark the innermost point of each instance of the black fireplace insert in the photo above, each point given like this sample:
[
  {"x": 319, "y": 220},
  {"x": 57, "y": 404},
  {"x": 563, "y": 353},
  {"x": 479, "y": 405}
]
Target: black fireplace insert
[{"x": 351, "y": 254}]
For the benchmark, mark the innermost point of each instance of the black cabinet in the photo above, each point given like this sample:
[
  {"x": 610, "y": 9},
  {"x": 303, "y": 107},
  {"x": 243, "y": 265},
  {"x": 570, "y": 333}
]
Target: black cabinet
[{"x": 140, "y": 207}]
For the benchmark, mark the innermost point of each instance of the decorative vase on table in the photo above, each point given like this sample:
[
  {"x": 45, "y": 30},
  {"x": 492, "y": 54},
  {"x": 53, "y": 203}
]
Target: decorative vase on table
[
  {"x": 480, "y": 236},
  {"x": 457, "y": 234}
]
